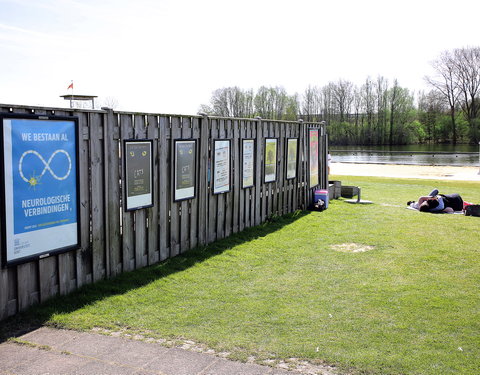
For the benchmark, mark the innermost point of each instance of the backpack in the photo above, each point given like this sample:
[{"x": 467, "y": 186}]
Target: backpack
[{"x": 472, "y": 210}]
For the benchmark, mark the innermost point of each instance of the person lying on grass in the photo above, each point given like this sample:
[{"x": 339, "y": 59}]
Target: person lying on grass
[{"x": 438, "y": 203}]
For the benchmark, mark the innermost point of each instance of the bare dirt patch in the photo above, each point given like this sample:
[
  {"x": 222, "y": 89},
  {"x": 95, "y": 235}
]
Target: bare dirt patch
[{"x": 352, "y": 248}]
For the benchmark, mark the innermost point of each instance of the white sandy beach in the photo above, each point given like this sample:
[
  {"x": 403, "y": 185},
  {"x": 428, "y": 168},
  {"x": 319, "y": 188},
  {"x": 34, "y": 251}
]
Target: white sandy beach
[{"x": 406, "y": 171}]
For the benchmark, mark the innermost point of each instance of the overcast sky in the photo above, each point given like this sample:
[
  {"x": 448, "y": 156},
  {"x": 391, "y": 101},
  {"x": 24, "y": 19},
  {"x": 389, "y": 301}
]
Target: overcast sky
[{"x": 168, "y": 56}]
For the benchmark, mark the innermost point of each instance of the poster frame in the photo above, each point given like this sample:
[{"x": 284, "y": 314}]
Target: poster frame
[
  {"x": 174, "y": 173},
  {"x": 215, "y": 190},
  {"x": 3, "y": 214},
  {"x": 310, "y": 130},
  {"x": 286, "y": 158},
  {"x": 265, "y": 160},
  {"x": 253, "y": 162},
  {"x": 128, "y": 208}
]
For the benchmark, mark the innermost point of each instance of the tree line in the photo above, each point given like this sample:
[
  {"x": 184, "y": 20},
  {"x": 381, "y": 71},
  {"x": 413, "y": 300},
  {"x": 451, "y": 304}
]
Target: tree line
[{"x": 377, "y": 112}]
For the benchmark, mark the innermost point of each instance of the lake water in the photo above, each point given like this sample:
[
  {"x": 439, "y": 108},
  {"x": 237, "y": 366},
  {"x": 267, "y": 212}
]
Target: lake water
[{"x": 459, "y": 155}]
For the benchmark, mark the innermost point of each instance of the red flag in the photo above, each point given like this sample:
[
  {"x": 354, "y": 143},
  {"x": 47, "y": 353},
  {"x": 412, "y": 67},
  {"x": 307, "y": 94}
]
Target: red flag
[{"x": 70, "y": 86}]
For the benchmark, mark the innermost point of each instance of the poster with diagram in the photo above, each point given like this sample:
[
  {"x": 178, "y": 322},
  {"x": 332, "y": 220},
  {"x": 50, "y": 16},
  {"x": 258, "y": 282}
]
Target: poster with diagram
[
  {"x": 138, "y": 174},
  {"x": 292, "y": 151},
  {"x": 248, "y": 163},
  {"x": 40, "y": 188},
  {"x": 270, "y": 159},
  {"x": 185, "y": 162},
  {"x": 313, "y": 159},
  {"x": 221, "y": 166}
]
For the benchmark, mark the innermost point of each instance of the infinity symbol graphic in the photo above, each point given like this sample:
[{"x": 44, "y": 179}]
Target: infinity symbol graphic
[{"x": 46, "y": 164}]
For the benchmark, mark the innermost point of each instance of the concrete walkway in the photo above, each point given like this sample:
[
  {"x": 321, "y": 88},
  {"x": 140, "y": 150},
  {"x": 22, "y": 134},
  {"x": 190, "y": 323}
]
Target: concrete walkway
[{"x": 59, "y": 352}]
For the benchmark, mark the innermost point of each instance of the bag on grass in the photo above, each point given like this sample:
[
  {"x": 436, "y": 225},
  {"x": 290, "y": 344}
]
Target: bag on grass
[{"x": 472, "y": 210}]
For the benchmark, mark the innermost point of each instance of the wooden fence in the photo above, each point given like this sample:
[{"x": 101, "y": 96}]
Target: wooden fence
[{"x": 114, "y": 240}]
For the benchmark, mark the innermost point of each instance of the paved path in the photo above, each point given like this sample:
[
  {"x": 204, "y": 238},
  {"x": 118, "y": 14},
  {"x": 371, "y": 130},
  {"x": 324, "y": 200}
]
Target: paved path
[{"x": 59, "y": 352}]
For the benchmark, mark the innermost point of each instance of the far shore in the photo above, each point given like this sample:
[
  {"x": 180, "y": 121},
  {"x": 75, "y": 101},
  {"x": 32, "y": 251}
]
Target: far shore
[{"x": 406, "y": 171}]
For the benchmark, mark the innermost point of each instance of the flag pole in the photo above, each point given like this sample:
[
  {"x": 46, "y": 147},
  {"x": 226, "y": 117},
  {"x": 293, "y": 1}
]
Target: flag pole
[{"x": 71, "y": 94}]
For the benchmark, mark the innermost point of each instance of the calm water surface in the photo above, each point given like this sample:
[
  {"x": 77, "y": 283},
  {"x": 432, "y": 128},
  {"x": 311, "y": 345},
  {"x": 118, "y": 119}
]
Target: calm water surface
[{"x": 458, "y": 155}]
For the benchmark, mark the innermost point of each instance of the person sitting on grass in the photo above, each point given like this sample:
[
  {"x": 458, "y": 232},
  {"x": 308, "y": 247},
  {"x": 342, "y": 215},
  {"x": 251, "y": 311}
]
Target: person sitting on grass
[{"x": 437, "y": 203}]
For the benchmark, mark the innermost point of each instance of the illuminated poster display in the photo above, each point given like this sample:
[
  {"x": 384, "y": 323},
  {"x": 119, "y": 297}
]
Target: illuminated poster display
[
  {"x": 221, "y": 166},
  {"x": 40, "y": 189},
  {"x": 138, "y": 174},
  {"x": 185, "y": 161},
  {"x": 270, "y": 159},
  {"x": 248, "y": 162},
  {"x": 292, "y": 151},
  {"x": 313, "y": 151}
]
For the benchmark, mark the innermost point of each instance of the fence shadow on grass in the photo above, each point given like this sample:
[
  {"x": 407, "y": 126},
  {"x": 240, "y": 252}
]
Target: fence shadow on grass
[{"x": 38, "y": 315}]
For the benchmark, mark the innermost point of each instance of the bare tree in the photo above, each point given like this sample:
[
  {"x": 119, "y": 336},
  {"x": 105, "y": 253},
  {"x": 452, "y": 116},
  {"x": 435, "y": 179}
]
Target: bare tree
[
  {"x": 311, "y": 103},
  {"x": 273, "y": 102},
  {"x": 109, "y": 102},
  {"x": 368, "y": 97},
  {"x": 381, "y": 92},
  {"x": 342, "y": 93},
  {"x": 401, "y": 109},
  {"x": 430, "y": 106},
  {"x": 394, "y": 92},
  {"x": 357, "y": 108},
  {"x": 327, "y": 106},
  {"x": 467, "y": 75},
  {"x": 445, "y": 82},
  {"x": 230, "y": 102}
]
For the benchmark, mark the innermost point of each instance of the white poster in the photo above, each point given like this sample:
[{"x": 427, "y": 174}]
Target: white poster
[
  {"x": 248, "y": 162},
  {"x": 270, "y": 159},
  {"x": 221, "y": 166},
  {"x": 292, "y": 146}
]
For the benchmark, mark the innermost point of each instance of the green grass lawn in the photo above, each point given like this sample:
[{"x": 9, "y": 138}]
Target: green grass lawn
[{"x": 408, "y": 305}]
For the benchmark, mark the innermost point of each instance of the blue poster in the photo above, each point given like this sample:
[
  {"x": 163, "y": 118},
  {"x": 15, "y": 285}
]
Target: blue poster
[{"x": 40, "y": 186}]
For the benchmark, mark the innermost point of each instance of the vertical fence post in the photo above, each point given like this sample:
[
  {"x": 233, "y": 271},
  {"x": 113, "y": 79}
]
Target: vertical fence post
[
  {"x": 302, "y": 167},
  {"x": 112, "y": 193},
  {"x": 258, "y": 169},
  {"x": 203, "y": 180}
]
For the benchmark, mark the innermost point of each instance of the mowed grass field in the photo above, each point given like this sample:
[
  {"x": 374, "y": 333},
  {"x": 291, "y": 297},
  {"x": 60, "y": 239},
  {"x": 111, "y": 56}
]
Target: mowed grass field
[{"x": 370, "y": 289}]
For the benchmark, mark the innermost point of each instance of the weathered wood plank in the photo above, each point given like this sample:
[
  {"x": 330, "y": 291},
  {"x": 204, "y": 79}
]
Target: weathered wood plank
[
  {"x": 265, "y": 186},
  {"x": 112, "y": 193},
  {"x": 3, "y": 293},
  {"x": 84, "y": 254},
  {"x": 259, "y": 172},
  {"x": 228, "y": 134},
  {"x": 128, "y": 244},
  {"x": 164, "y": 181},
  {"x": 152, "y": 213},
  {"x": 242, "y": 193},
  {"x": 212, "y": 199},
  {"x": 3, "y": 274},
  {"x": 194, "y": 204},
  {"x": 141, "y": 255},
  {"x": 176, "y": 206},
  {"x": 203, "y": 192},
  {"x": 278, "y": 187},
  {"x": 27, "y": 284},
  {"x": 251, "y": 192},
  {"x": 98, "y": 206},
  {"x": 235, "y": 174}
]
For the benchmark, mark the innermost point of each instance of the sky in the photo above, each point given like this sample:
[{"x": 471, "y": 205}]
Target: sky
[{"x": 168, "y": 56}]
